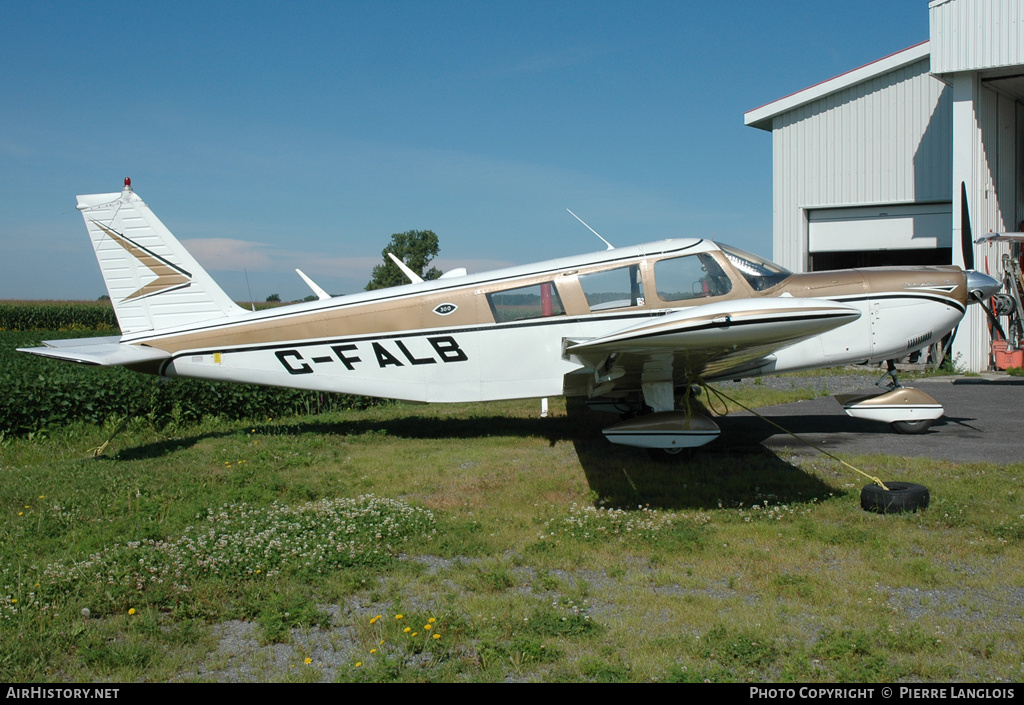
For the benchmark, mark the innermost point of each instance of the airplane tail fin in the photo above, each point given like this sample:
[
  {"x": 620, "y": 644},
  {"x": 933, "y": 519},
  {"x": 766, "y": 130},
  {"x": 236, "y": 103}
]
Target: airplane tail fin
[{"x": 153, "y": 281}]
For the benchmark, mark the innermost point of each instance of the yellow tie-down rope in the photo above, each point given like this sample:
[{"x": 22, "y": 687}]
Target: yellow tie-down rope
[{"x": 723, "y": 396}]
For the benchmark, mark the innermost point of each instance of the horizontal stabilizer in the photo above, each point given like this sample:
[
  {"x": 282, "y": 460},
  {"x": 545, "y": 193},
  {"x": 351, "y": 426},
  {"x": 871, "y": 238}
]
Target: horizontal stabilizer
[{"x": 104, "y": 352}]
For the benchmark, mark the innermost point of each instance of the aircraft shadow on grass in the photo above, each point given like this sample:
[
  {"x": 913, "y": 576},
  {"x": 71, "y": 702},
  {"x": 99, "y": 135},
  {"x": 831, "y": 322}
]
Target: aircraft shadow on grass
[{"x": 722, "y": 474}]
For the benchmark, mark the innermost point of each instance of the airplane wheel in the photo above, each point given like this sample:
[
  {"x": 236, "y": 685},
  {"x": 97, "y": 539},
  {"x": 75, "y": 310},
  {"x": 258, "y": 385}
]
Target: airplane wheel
[
  {"x": 900, "y": 497},
  {"x": 912, "y": 427},
  {"x": 670, "y": 455}
]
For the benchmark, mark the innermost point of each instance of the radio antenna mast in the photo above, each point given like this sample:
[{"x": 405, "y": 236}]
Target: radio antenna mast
[
  {"x": 610, "y": 246},
  {"x": 252, "y": 301}
]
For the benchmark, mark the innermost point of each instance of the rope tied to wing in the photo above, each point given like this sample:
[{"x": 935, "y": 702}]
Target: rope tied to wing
[{"x": 724, "y": 398}]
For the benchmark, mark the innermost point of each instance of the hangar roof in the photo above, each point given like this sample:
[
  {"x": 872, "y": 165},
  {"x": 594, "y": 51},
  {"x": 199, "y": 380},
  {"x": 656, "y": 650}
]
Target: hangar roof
[{"x": 762, "y": 117}]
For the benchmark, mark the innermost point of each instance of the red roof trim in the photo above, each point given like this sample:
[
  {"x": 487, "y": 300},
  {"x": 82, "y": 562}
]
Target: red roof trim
[{"x": 844, "y": 73}]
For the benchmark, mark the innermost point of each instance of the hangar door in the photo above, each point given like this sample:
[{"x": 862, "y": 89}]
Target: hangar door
[{"x": 876, "y": 236}]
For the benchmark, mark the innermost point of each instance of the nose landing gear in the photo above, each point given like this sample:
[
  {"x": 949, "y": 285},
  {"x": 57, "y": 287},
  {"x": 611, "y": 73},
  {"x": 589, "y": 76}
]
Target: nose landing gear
[{"x": 906, "y": 409}]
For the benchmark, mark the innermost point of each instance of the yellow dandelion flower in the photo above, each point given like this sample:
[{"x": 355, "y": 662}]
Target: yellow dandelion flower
[
  {"x": 431, "y": 620},
  {"x": 13, "y": 600},
  {"x": 415, "y": 633},
  {"x": 437, "y": 636},
  {"x": 308, "y": 661},
  {"x": 398, "y": 616},
  {"x": 131, "y": 611},
  {"x": 21, "y": 513},
  {"x": 407, "y": 630},
  {"x": 373, "y": 621},
  {"x": 373, "y": 651},
  {"x": 428, "y": 626},
  {"x": 358, "y": 664},
  {"x": 42, "y": 496}
]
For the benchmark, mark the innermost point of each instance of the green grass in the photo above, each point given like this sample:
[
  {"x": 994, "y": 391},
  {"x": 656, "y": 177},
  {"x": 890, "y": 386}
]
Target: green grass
[{"x": 539, "y": 551}]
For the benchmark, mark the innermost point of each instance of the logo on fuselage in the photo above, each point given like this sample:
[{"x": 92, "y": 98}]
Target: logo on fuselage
[{"x": 444, "y": 309}]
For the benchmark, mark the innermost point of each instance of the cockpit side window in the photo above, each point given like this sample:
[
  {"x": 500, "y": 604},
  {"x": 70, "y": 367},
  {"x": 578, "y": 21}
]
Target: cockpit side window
[
  {"x": 534, "y": 301},
  {"x": 690, "y": 277},
  {"x": 613, "y": 288}
]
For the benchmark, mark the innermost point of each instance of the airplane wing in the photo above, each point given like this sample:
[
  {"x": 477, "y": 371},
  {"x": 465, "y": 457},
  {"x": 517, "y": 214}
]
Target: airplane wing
[
  {"x": 706, "y": 341},
  {"x": 105, "y": 352}
]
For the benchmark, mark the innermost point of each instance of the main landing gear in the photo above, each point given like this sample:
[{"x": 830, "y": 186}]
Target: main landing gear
[{"x": 666, "y": 432}]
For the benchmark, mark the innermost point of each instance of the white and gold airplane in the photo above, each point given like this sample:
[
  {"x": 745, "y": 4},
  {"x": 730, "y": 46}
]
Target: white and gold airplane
[{"x": 631, "y": 329}]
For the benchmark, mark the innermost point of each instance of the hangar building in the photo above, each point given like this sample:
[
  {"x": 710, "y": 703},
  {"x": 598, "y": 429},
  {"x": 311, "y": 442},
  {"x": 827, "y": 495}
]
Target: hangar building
[{"x": 869, "y": 166}]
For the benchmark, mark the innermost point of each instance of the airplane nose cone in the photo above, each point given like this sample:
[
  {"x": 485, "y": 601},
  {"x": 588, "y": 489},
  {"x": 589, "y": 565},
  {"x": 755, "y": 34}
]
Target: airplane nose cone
[{"x": 981, "y": 286}]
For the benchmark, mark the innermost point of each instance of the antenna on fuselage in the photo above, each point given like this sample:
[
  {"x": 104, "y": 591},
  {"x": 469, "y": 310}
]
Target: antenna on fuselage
[
  {"x": 413, "y": 276},
  {"x": 610, "y": 245},
  {"x": 320, "y": 293},
  {"x": 252, "y": 301}
]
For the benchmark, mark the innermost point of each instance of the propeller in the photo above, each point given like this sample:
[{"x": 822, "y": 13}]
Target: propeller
[
  {"x": 979, "y": 286},
  {"x": 966, "y": 239}
]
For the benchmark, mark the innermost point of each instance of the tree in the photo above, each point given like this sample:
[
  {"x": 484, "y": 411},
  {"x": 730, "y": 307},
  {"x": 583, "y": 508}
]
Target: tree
[
  {"x": 414, "y": 247},
  {"x": 274, "y": 298}
]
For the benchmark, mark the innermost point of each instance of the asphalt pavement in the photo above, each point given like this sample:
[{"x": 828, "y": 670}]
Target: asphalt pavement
[{"x": 983, "y": 421}]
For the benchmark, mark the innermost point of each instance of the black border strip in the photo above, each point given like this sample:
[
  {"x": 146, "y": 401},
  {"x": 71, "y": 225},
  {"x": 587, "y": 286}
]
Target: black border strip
[{"x": 900, "y": 295}]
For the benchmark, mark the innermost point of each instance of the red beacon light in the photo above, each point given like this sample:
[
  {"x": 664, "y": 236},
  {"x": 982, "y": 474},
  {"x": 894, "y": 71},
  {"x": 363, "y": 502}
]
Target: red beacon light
[{"x": 127, "y": 182}]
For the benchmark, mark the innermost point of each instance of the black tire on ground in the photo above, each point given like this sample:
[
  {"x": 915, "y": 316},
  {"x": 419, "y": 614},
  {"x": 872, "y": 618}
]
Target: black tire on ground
[
  {"x": 671, "y": 455},
  {"x": 911, "y": 427},
  {"x": 900, "y": 497}
]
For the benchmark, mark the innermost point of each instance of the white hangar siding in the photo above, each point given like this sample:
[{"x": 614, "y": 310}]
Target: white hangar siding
[
  {"x": 881, "y": 142},
  {"x": 971, "y": 35},
  {"x": 868, "y": 166}
]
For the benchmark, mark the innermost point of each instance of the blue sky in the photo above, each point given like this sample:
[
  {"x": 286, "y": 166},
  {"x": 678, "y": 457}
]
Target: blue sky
[{"x": 269, "y": 136}]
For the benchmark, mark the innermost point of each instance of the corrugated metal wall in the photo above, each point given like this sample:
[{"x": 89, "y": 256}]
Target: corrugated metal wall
[
  {"x": 884, "y": 141},
  {"x": 969, "y": 35},
  {"x": 994, "y": 207}
]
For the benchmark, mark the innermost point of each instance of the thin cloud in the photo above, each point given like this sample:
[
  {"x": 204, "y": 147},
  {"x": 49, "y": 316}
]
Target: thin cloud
[
  {"x": 232, "y": 255},
  {"x": 228, "y": 255}
]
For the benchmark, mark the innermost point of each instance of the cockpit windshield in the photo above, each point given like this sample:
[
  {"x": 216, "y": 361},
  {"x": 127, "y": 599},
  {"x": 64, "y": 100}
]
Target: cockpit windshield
[{"x": 760, "y": 273}]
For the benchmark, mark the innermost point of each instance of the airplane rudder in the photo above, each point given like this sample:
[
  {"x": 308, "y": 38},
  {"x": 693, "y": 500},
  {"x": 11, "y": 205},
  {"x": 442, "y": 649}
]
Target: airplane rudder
[{"x": 152, "y": 279}]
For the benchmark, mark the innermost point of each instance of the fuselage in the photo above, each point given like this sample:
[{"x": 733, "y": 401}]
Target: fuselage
[{"x": 503, "y": 334}]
